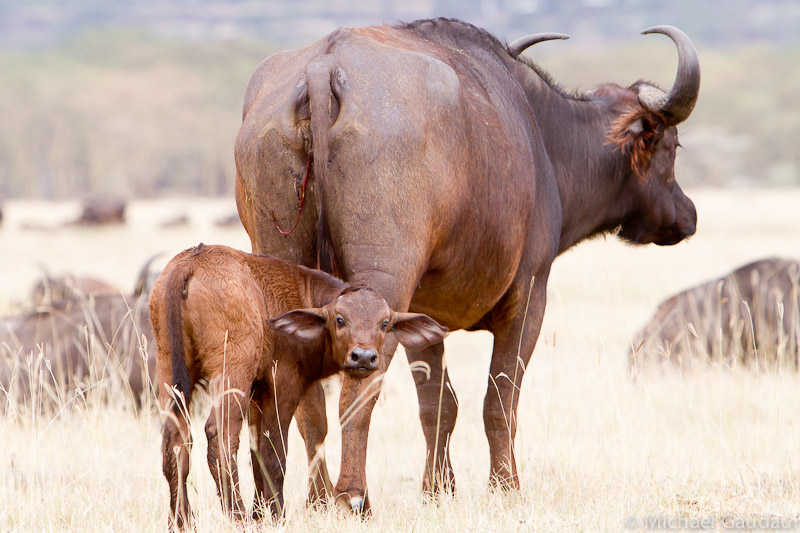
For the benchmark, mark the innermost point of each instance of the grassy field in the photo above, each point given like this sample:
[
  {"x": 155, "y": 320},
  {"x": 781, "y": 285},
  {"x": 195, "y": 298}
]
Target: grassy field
[{"x": 597, "y": 451}]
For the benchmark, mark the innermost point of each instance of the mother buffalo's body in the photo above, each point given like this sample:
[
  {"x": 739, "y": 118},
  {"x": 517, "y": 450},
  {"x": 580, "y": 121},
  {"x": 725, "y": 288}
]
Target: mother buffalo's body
[{"x": 448, "y": 174}]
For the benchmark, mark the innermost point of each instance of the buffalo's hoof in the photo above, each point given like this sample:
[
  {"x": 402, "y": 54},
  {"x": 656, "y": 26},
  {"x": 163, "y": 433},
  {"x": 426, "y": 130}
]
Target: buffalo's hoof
[
  {"x": 443, "y": 484},
  {"x": 357, "y": 504},
  {"x": 503, "y": 482}
]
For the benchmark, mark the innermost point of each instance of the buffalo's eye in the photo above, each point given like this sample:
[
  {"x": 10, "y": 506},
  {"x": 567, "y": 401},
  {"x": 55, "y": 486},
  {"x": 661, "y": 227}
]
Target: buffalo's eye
[
  {"x": 385, "y": 325},
  {"x": 339, "y": 322}
]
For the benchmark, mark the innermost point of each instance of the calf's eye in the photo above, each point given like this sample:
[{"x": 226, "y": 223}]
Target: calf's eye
[
  {"x": 339, "y": 322},
  {"x": 385, "y": 325}
]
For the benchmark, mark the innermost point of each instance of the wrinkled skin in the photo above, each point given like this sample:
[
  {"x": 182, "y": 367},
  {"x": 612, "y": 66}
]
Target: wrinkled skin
[{"x": 449, "y": 175}]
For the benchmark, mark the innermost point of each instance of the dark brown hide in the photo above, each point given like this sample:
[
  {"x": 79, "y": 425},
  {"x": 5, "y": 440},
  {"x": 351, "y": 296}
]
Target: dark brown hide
[
  {"x": 100, "y": 211},
  {"x": 749, "y": 316},
  {"x": 77, "y": 343},
  {"x": 258, "y": 330},
  {"x": 448, "y": 174},
  {"x": 81, "y": 334},
  {"x": 53, "y": 289}
]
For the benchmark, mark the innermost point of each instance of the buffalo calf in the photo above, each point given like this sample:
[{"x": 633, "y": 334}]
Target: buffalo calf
[{"x": 216, "y": 314}]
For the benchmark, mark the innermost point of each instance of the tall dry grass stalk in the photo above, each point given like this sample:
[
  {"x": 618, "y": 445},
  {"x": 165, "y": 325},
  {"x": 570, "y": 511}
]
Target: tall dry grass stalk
[
  {"x": 746, "y": 318},
  {"x": 593, "y": 447}
]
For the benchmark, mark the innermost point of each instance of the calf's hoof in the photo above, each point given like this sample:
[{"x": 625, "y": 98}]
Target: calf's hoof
[{"x": 181, "y": 523}]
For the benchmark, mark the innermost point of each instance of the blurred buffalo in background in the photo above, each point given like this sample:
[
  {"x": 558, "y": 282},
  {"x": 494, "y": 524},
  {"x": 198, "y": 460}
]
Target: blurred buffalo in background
[
  {"x": 99, "y": 211},
  {"x": 80, "y": 342},
  {"x": 53, "y": 289},
  {"x": 750, "y": 316}
]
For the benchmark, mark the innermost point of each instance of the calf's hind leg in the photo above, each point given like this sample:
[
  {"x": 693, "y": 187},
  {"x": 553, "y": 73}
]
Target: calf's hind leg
[
  {"x": 313, "y": 425},
  {"x": 223, "y": 429},
  {"x": 176, "y": 447},
  {"x": 255, "y": 442}
]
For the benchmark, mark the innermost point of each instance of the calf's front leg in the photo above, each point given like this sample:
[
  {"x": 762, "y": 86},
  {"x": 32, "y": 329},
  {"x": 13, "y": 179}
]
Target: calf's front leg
[{"x": 312, "y": 422}]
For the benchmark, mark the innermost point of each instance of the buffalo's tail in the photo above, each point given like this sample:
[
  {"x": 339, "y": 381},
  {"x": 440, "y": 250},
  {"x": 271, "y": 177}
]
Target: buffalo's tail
[{"x": 326, "y": 83}]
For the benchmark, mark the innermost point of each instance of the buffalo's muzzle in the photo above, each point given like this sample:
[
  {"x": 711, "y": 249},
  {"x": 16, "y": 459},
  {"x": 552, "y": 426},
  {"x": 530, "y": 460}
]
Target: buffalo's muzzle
[{"x": 361, "y": 361}]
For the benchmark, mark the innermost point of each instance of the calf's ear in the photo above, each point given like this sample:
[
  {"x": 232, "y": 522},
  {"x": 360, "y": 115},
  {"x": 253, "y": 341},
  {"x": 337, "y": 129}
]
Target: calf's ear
[
  {"x": 417, "y": 331},
  {"x": 304, "y": 325}
]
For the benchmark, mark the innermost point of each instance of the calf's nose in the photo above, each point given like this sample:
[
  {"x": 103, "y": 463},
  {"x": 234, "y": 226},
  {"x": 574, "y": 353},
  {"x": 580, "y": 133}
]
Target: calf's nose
[{"x": 364, "y": 357}]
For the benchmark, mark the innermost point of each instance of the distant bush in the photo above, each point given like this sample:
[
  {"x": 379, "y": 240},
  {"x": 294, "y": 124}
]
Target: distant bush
[
  {"x": 122, "y": 113},
  {"x": 127, "y": 113}
]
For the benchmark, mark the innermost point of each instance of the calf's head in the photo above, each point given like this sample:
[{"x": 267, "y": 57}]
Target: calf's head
[
  {"x": 645, "y": 133},
  {"x": 358, "y": 321}
]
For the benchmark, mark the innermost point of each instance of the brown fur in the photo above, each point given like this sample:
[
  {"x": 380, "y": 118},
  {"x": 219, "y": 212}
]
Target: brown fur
[
  {"x": 634, "y": 133},
  {"x": 213, "y": 312},
  {"x": 447, "y": 175}
]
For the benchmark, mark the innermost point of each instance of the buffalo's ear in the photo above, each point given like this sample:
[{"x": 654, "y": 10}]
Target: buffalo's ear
[
  {"x": 417, "y": 331},
  {"x": 304, "y": 325},
  {"x": 636, "y": 133}
]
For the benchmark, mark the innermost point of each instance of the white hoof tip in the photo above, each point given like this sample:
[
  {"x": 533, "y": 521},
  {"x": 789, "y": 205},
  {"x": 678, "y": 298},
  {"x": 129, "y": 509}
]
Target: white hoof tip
[{"x": 357, "y": 504}]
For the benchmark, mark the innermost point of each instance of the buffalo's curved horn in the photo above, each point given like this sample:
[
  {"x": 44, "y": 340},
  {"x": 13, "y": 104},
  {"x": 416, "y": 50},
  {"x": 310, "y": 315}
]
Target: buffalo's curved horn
[
  {"x": 677, "y": 105},
  {"x": 141, "y": 286},
  {"x": 519, "y": 46}
]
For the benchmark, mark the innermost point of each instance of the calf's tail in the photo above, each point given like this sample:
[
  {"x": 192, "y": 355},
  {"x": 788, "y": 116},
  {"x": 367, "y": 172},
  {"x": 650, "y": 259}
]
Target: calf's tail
[{"x": 177, "y": 289}]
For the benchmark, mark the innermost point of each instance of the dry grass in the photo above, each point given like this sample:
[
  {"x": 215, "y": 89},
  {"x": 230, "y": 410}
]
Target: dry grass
[{"x": 594, "y": 447}]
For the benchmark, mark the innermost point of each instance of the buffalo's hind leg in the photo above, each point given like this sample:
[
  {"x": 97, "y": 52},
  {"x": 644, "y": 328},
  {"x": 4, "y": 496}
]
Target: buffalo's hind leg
[
  {"x": 438, "y": 409},
  {"x": 516, "y": 323}
]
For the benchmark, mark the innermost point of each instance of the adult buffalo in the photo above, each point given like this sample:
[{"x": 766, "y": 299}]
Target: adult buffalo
[
  {"x": 448, "y": 173},
  {"x": 78, "y": 335}
]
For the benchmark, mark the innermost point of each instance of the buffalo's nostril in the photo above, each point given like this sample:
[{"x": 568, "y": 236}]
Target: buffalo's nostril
[{"x": 363, "y": 356}]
